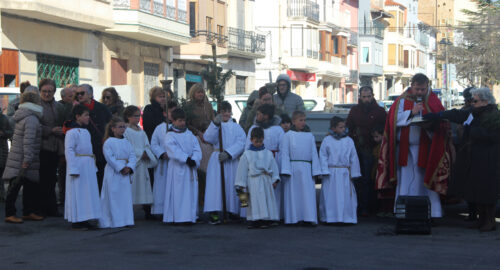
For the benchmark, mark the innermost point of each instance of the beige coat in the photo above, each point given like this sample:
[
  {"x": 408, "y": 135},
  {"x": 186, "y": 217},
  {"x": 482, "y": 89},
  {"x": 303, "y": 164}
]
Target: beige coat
[{"x": 26, "y": 142}]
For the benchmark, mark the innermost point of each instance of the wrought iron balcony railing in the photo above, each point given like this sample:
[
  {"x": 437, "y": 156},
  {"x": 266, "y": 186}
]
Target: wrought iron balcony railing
[
  {"x": 303, "y": 8},
  {"x": 353, "y": 77},
  {"x": 155, "y": 7},
  {"x": 211, "y": 37},
  {"x": 246, "y": 41}
]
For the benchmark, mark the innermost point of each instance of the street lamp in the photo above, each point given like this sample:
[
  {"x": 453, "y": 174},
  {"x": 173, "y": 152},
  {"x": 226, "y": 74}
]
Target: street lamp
[{"x": 446, "y": 43}]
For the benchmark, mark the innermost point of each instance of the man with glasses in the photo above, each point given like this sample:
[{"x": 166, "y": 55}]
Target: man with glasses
[
  {"x": 99, "y": 118},
  {"x": 362, "y": 119},
  {"x": 284, "y": 99}
]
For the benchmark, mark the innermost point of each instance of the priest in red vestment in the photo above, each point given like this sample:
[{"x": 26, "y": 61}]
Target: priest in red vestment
[{"x": 415, "y": 157}]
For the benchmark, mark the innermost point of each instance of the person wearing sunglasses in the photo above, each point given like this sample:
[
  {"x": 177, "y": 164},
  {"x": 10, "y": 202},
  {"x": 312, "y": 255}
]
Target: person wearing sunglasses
[
  {"x": 112, "y": 100},
  {"x": 99, "y": 118},
  {"x": 477, "y": 168}
]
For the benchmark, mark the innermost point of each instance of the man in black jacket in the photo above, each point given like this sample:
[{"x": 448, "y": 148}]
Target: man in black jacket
[{"x": 99, "y": 118}]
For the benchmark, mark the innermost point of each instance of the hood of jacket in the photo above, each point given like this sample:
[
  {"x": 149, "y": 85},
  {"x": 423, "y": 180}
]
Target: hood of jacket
[
  {"x": 26, "y": 109},
  {"x": 252, "y": 98}
]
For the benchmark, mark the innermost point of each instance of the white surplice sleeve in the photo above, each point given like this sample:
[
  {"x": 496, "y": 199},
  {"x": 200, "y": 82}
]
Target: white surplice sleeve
[
  {"x": 238, "y": 146},
  {"x": 315, "y": 163},
  {"x": 153, "y": 161},
  {"x": 323, "y": 157},
  {"x": 286, "y": 166},
  {"x": 353, "y": 160},
  {"x": 70, "y": 143},
  {"x": 274, "y": 167},
  {"x": 196, "y": 156},
  {"x": 211, "y": 135},
  {"x": 132, "y": 159},
  {"x": 242, "y": 172},
  {"x": 403, "y": 116},
  {"x": 156, "y": 141}
]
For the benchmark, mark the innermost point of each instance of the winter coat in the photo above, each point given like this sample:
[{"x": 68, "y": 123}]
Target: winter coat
[
  {"x": 26, "y": 142},
  {"x": 477, "y": 168},
  {"x": 99, "y": 118},
  {"x": 289, "y": 103},
  {"x": 53, "y": 116},
  {"x": 253, "y": 114},
  {"x": 198, "y": 116},
  {"x": 362, "y": 119},
  {"x": 66, "y": 111},
  {"x": 248, "y": 108},
  {"x": 7, "y": 134},
  {"x": 152, "y": 116},
  {"x": 117, "y": 109}
]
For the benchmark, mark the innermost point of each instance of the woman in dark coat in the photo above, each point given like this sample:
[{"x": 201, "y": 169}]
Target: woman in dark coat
[
  {"x": 477, "y": 168},
  {"x": 153, "y": 113},
  {"x": 112, "y": 100}
]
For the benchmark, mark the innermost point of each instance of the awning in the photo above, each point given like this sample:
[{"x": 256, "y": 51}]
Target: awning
[{"x": 301, "y": 76}]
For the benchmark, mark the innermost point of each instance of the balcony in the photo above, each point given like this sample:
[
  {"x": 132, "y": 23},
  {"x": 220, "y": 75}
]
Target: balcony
[
  {"x": 151, "y": 21},
  {"x": 353, "y": 39},
  {"x": 246, "y": 44},
  {"x": 353, "y": 77},
  {"x": 85, "y": 14},
  {"x": 199, "y": 48},
  {"x": 303, "y": 8}
]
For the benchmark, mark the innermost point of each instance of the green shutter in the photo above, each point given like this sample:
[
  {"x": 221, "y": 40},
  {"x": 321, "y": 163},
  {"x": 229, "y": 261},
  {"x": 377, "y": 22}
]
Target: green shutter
[{"x": 63, "y": 70}]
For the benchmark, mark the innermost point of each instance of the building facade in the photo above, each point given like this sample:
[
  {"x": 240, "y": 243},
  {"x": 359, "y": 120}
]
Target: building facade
[{"x": 122, "y": 43}]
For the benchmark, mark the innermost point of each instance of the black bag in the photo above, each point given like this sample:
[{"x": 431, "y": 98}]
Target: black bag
[{"x": 413, "y": 215}]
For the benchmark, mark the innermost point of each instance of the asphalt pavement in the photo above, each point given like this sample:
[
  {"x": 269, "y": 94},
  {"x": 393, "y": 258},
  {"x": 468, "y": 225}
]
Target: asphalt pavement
[{"x": 371, "y": 244}]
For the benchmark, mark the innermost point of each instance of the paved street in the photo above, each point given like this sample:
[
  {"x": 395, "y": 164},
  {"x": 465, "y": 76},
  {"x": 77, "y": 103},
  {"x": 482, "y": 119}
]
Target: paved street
[{"x": 51, "y": 244}]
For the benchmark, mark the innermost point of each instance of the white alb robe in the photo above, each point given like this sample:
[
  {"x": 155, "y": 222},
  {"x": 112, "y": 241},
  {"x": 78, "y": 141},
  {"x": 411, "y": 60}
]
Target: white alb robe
[
  {"x": 411, "y": 177},
  {"x": 273, "y": 136},
  {"x": 233, "y": 140},
  {"x": 181, "y": 189},
  {"x": 299, "y": 159},
  {"x": 82, "y": 193},
  {"x": 116, "y": 194},
  {"x": 141, "y": 184},
  {"x": 158, "y": 148},
  {"x": 257, "y": 171},
  {"x": 339, "y": 164}
]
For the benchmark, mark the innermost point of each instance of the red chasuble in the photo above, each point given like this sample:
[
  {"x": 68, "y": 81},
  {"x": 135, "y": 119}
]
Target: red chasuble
[{"x": 434, "y": 153}]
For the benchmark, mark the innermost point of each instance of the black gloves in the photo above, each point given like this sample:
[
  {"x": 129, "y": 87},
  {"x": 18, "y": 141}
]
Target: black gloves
[{"x": 191, "y": 163}]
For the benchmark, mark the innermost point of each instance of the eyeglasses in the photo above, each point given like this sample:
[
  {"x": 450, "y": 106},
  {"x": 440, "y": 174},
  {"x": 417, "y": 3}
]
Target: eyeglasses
[
  {"x": 106, "y": 97},
  {"x": 80, "y": 93}
]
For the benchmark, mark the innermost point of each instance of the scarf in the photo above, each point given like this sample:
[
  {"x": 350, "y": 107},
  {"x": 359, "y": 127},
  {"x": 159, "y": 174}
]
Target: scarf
[
  {"x": 90, "y": 105},
  {"x": 336, "y": 135},
  {"x": 253, "y": 148},
  {"x": 177, "y": 129},
  {"x": 306, "y": 129}
]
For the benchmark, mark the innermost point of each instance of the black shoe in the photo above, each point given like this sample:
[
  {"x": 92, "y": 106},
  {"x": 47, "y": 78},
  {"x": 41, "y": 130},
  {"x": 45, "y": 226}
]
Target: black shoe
[
  {"x": 214, "y": 219},
  {"x": 309, "y": 224},
  {"x": 149, "y": 216},
  {"x": 253, "y": 225}
]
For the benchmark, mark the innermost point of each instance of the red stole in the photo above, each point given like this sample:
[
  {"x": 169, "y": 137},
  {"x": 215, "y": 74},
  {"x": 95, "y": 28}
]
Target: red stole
[{"x": 434, "y": 155}]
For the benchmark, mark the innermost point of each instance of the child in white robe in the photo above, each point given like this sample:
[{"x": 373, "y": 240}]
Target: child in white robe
[
  {"x": 82, "y": 205},
  {"x": 258, "y": 173},
  {"x": 233, "y": 141},
  {"x": 141, "y": 183},
  {"x": 116, "y": 194},
  {"x": 273, "y": 134},
  {"x": 299, "y": 165},
  {"x": 339, "y": 164},
  {"x": 181, "y": 191},
  {"x": 160, "y": 172}
]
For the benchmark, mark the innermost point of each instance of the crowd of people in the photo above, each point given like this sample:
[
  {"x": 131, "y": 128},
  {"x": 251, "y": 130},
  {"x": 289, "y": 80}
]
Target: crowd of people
[{"x": 187, "y": 160}]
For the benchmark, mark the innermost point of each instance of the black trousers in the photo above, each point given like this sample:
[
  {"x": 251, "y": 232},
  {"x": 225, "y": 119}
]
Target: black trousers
[
  {"x": 61, "y": 180},
  {"x": 100, "y": 174},
  {"x": 30, "y": 197},
  {"x": 365, "y": 186},
  {"x": 49, "y": 162}
]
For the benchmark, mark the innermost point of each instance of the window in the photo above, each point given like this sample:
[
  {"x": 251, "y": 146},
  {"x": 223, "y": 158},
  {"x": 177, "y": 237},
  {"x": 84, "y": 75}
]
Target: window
[
  {"x": 119, "y": 70},
  {"x": 9, "y": 68},
  {"x": 296, "y": 40},
  {"x": 209, "y": 24},
  {"x": 192, "y": 18},
  {"x": 392, "y": 21},
  {"x": 392, "y": 54},
  {"x": 241, "y": 84},
  {"x": 336, "y": 50},
  {"x": 151, "y": 78},
  {"x": 406, "y": 60},
  {"x": 325, "y": 46},
  {"x": 401, "y": 22},
  {"x": 63, "y": 70},
  {"x": 400, "y": 55},
  {"x": 366, "y": 55},
  {"x": 343, "y": 49}
]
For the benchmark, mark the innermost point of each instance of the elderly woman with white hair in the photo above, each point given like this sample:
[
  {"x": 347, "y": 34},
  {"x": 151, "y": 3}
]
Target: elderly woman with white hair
[{"x": 477, "y": 167}]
